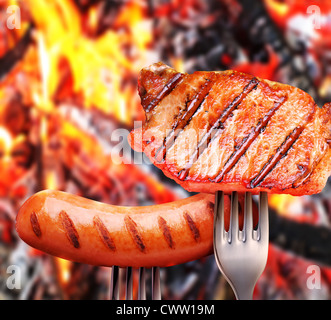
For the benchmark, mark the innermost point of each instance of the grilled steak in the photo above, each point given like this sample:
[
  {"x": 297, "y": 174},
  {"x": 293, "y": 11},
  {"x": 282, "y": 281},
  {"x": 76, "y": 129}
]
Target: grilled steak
[{"x": 232, "y": 131}]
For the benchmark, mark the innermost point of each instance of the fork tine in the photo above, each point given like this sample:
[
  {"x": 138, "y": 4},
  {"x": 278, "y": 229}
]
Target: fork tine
[
  {"x": 114, "y": 283},
  {"x": 156, "y": 285},
  {"x": 234, "y": 223},
  {"x": 219, "y": 216},
  {"x": 219, "y": 232},
  {"x": 248, "y": 216},
  {"x": 263, "y": 216},
  {"x": 115, "y": 289},
  {"x": 128, "y": 287},
  {"x": 142, "y": 284}
]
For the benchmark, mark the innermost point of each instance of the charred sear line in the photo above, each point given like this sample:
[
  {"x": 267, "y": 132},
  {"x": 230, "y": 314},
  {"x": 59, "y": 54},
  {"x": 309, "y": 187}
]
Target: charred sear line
[
  {"x": 69, "y": 229},
  {"x": 281, "y": 152},
  {"x": 191, "y": 108},
  {"x": 252, "y": 85},
  {"x": 104, "y": 233},
  {"x": 248, "y": 140},
  {"x": 210, "y": 208},
  {"x": 218, "y": 126},
  {"x": 165, "y": 91},
  {"x": 192, "y": 226},
  {"x": 131, "y": 226},
  {"x": 35, "y": 224},
  {"x": 166, "y": 232}
]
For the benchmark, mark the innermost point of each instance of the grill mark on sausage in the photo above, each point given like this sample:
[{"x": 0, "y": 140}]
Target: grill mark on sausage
[
  {"x": 192, "y": 226},
  {"x": 281, "y": 152},
  {"x": 104, "y": 233},
  {"x": 248, "y": 140},
  {"x": 215, "y": 129},
  {"x": 183, "y": 120},
  {"x": 210, "y": 208},
  {"x": 131, "y": 226},
  {"x": 35, "y": 224},
  {"x": 69, "y": 229},
  {"x": 171, "y": 85},
  {"x": 166, "y": 232}
]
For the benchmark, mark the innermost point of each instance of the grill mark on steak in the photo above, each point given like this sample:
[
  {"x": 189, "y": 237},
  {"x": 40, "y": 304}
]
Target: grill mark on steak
[
  {"x": 183, "y": 121},
  {"x": 131, "y": 226},
  {"x": 35, "y": 224},
  {"x": 104, "y": 233},
  {"x": 69, "y": 229},
  {"x": 281, "y": 152},
  {"x": 171, "y": 85},
  {"x": 248, "y": 140},
  {"x": 166, "y": 232},
  {"x": 217, "y": 126},
  {"x": 192, "y": 226}
]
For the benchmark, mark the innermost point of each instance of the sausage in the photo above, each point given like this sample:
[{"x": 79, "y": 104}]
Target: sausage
[{"x": 86, "y": 231}]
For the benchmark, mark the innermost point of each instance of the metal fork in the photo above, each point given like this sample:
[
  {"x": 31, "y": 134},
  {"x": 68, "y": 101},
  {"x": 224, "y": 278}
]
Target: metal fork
[
  {"x": 115, "y": 284},
  {"x": 241, "y": 255}
]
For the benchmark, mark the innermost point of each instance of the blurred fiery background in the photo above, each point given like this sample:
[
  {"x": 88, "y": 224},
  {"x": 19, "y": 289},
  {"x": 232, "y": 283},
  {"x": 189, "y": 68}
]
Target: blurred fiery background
[{"x": 68, "y": 80}]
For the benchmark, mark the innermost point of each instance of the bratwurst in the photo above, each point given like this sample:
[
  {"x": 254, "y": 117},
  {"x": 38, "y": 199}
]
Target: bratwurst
[{"x": 86, "y": 231}]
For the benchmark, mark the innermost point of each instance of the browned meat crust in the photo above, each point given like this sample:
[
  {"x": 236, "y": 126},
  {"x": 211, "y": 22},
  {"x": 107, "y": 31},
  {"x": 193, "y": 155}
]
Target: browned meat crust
[{"x": 231, "y": 131}]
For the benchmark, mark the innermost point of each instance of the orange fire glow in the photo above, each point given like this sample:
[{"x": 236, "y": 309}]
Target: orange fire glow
[
  {"x": 97, "y": 65},
  {"x": 64, "y": 267},
  {"x": 282, "y": 11}
]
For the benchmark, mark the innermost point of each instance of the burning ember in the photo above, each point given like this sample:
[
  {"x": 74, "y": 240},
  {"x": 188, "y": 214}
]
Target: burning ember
[{"x": 68, "y": 96}]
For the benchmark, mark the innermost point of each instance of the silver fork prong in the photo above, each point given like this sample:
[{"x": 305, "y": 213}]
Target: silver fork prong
[
  {"x": 128, "y": 285},
  {"x": 219, "y": 226},
  {"x": 156, "y": 283},
  {"x": 219, "y": 210},
  {"x": 234, "y": 223},
  {"x": 248, "y": 217},
  {"x": 114, "y": 283},
  {"x": 263, "y": 223},
  {"x": 142, "y": 284}
]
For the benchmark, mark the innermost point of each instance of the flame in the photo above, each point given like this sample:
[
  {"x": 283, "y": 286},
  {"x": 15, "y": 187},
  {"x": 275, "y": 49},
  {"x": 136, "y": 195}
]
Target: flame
[
  {"x": 93, "y": 18},
  {"x": 43, "y": 102},
  {"x": 285, "y": 204},
  {"x": 134, "y": 17},
  {"x": 97, "y": 65},
  {"x": 324, "y": 89},
  {"x": 63, "y": 267},
  {"x": 51, "y": 180},
  {"x": 9, "y": 171},
  {"x": 281, "y": 8},
  {"x": 178, "y": 64},
  {"x": 6, "y": 141},
  {"x": 71, "y": 59}
]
